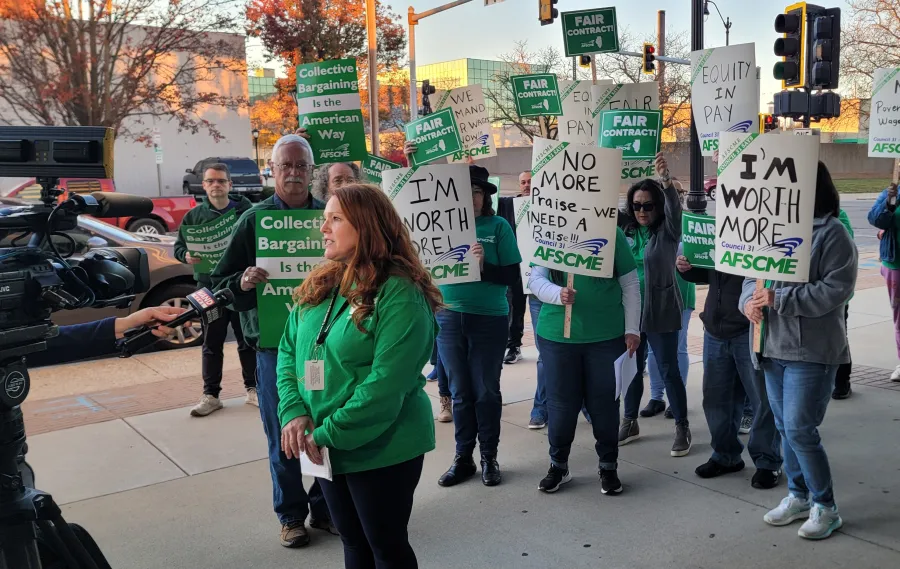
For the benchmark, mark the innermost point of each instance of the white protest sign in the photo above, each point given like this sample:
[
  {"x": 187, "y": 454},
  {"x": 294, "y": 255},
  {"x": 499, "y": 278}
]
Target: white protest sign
[
  {"x": 724, "y": 93},
  {"x": 574, "y": 208},
  {"x": 764, "y": 206},
  {"x": 884, "y": 119},
  {"x": 472, "y": 121},
  {"x": 435, "y": 202},
  {"x": 576, "y": 125},
  {"x": 521, "y": 206},
  {"x": 619, "y": 96}
]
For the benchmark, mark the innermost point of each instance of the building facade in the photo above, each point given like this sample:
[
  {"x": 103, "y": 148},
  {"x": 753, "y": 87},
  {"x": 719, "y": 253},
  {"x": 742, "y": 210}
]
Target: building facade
[{"x": 261, "y": 84}]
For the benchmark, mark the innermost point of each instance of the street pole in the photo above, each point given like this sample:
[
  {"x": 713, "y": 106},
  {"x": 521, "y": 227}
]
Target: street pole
[
  {"x": 575, "y": 68},
  {"x": 696, "y": 200},
  {"x": 727, "y": 30},
  {"x": 373, "y": 74},
  {"x": 661, "y": 46}
]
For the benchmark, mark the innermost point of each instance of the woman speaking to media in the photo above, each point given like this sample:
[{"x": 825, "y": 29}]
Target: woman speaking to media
[{"x": 350, "y": 374}]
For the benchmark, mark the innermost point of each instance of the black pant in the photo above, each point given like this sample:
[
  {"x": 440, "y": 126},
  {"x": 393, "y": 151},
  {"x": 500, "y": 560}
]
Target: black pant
[
  {"x": 516, "y": 298},
  {"x": 371, "y": 509},
  {"x": 214, "y": 356},
  {"x": 842, "y": 379}
]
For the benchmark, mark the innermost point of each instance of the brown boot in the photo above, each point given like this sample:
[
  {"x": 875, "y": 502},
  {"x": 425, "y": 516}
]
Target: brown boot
[
  {"x": 294, "y": 535},
  {"x": 446, "y": 414}
]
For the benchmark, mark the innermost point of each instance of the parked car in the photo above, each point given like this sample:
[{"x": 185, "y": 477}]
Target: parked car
[
  {"x": 246, "y": 178},
  {"x": 709, "y": 186},
  {"x": 170, "y": 280}
]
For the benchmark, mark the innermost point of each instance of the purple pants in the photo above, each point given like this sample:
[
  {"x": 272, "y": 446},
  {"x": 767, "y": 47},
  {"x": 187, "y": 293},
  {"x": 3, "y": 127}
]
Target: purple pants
[{"x": 892, "y": 279}]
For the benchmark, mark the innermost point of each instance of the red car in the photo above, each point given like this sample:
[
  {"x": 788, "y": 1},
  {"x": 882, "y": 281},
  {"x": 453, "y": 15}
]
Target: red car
[{"x": 709, "y": 186}]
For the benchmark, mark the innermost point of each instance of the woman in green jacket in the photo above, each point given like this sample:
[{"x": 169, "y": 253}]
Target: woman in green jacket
[{"x": 350, "y": 374}]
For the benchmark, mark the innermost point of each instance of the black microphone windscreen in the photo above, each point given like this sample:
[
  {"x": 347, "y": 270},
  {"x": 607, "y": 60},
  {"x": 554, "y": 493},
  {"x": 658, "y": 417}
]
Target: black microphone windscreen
[{"x": 113, "y": 204}]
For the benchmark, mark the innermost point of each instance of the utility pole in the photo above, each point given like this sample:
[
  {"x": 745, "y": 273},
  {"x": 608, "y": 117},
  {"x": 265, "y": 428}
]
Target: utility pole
[
  {"x": 575, "y": 68},
  {"x": 373, "y": 75},
  {"x": 661, "y": 46},
  {"x": 696, "y": 200}
]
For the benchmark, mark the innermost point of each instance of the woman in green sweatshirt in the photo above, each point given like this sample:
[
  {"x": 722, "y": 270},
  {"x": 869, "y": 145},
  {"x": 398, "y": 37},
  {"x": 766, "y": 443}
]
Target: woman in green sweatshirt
[{"x": 350, "y": 374}]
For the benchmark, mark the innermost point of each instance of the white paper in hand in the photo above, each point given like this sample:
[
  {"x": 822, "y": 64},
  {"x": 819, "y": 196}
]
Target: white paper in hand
[
  {"x": 626, "y": 369},
  {"x": 316, "y": 470}
]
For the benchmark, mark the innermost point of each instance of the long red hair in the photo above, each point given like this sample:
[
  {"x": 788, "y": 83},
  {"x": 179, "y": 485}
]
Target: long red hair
[{"x": 384, "y": 249}]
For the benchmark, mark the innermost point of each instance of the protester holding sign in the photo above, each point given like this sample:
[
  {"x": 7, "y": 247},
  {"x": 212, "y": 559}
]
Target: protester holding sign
[
  {"x": 473, "y": 336},
  {"x": 804, "y": 341},
  {"x": 885, "y": 216},
  {"x": 237, "y": 271},
  {"x": 352, "y": 382},
  {"x": 653, "y": 226},
  {"x": 330, "y": 177},
  {"x": 219, "y": 205},
  {"x": 580, "y": 367}
]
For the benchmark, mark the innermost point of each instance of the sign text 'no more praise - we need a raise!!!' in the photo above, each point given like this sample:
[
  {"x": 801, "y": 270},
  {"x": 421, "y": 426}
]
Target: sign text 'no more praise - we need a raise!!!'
[
  {"x": 574, "y": 208},
  {"x": 765, "y": 204}
]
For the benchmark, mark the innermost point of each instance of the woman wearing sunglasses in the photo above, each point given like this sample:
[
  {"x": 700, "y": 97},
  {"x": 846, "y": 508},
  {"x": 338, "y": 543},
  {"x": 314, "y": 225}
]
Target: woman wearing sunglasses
[{"x": 652, "y": 225}]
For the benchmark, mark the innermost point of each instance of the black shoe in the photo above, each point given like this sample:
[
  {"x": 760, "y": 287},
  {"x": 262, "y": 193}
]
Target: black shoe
[
  {"x": 555, "y": 478},
  {"x": 490, "y": 470},
  {"x": 609, "y": 482},
  {"x": 712, "y": 469},
  {"x": 462, "y": 469},
  {"x": 766, "y": 479},
  {"x": 654, "y": 407},
  {"x": 668, "y": 414},
  {"x": 323, "y": 524},
  {"x": 842, "y": 391},
  {"x": 513, "y": 355}
]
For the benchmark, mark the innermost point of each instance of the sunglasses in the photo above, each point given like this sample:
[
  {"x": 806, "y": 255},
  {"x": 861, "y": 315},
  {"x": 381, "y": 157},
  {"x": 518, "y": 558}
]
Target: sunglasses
[{"x": 646, "y": 206}]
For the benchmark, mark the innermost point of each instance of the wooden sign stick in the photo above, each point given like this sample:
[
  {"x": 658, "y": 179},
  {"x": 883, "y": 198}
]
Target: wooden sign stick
[{"x": 757, "y": 329}]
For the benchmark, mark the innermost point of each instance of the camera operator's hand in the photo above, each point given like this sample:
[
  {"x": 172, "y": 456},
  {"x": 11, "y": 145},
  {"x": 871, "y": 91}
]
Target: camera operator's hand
[
  {"x": 253, "y": 276},
  {"x": 149, "y": 316},
  {"x": 192, "y": 259},
  {"x": 293, "y": 436}
]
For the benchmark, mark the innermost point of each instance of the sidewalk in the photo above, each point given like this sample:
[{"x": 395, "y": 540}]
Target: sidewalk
[{"x": 158, "y": 489}]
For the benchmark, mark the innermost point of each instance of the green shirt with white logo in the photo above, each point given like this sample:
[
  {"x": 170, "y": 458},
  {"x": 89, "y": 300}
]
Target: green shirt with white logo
[
  {"x": 598, "y": 313},
  {"x": 500, "y": 248},
  {"x": 638, "y": 241}
]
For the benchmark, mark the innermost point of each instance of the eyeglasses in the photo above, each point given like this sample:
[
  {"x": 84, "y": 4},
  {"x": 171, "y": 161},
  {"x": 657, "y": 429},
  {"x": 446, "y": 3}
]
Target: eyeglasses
[
  {"x": 287, "y": 166},
  {"x": 215, "y": 181},
  {"x": 645, "y": 206}
]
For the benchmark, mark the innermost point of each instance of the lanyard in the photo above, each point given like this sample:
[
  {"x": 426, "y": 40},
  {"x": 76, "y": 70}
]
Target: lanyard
[{"x": 326, "y": 326}]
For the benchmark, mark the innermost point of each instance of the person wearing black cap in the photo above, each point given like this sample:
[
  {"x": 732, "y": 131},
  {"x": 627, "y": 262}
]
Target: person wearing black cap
[{"x": 473, "y": 335}]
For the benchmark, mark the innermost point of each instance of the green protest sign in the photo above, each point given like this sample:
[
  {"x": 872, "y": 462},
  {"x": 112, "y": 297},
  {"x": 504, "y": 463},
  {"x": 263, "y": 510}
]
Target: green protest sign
[
  {"x": 435, "y": 137},
  {"x": 329, "y": 108},
  {"x": 288, "y": 246},
  {"x": 373, "y": 166},
  {"x": 536, "y": 95},
  {"x": 698, "y": 239},
  {"x": 208, "y": 241},
  {"x": 635, "y": 133},
  {"x": 590, "y": 31}
]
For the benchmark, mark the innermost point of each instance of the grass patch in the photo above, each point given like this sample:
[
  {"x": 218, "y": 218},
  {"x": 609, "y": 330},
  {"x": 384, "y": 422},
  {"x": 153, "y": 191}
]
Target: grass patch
[{"x": 861, "y": 185}]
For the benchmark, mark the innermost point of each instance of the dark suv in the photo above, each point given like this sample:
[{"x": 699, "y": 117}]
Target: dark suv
[{"x": 245, "y": 176}]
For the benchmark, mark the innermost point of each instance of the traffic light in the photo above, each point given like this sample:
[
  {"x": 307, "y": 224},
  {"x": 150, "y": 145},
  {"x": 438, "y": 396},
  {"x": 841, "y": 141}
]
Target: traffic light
[
  {"x": 767, "y": 123},
  {"x": 584, "y": 60},
  {"x": 825, "y": 48},
  {"x": 427, "y": 89},
  {"x": 791, "y": 70},
  {"x": 547, "y": 13},
  {"x": 647, "y": 58}
]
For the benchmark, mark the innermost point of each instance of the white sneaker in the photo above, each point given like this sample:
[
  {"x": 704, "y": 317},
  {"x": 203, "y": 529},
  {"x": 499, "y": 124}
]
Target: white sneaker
[
  {"x": 821, "y": 523},
  {"x": 896, "y": 375},
  {"x": 789, "y": 510},
  {"x": 252, "y": 397},
  {"x": 208, "y": 404}
]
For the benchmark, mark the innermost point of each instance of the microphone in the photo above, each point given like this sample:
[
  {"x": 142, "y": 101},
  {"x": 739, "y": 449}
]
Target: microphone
[
  {"x": 205, "y": 305},
  {"x": 112, "y": 204}
]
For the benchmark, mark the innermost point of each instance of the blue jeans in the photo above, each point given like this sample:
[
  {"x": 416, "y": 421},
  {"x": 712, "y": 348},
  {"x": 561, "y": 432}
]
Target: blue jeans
[
  {"x": 288, "y": 496},
  {"x": 582, "y": 374},
  {"x": 728, "y": 380},
  {"x": 539, "y": 411},
  {"x": 442, "y": 381},
  {"x": 657, "y": 386},
  {"x": 799, "y": 393},
  {"x": 472, "y": 348},
  {"x": 666, "y": 347}
]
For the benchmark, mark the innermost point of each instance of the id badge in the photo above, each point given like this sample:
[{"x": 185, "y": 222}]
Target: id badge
[{"x": 315, "y": 375}]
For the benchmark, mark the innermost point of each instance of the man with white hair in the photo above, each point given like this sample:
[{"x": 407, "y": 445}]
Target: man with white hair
[{"x": 293, "y": 166}]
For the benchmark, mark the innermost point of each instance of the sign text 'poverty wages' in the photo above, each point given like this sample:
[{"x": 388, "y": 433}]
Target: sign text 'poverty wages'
[
  {"x": 884, "y": 122},
  {"x": 329, "y": 108}
]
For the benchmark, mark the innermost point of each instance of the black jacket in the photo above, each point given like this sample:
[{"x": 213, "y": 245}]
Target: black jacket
[
  {"x": 721, "y": 316},
  {"x": 77, "y": 342}
]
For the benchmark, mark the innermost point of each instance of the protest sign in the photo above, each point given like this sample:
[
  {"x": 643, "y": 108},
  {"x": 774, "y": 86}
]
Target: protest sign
[
  {"x": 574, "y": 208},
  {"x": 521, "y": 206},
  {"x": 435, "y": 203},
  {"x": 495, "y": 199},
  {"x": 435, "y": 137},
  {"x": 620, "y": 96},
  {"x": 536, "y": 95},
  {"x": 289, "y": 245},
  {"x": 576, "y": 125},
  {"x": 472, "y": 121},
  {"x": 884, "y": 122},
  {"x": 698, "y": 239},
  {"x": 208, "y": 241},
  {"x": 373, "y": 166},
  {"x": 635, "y": 133},
  {"x": 329, "y": 108},
  {"x": 764, "y": 210},
  {"x": 590, "y": 31},
  {"x": 724, "y": 93}
]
